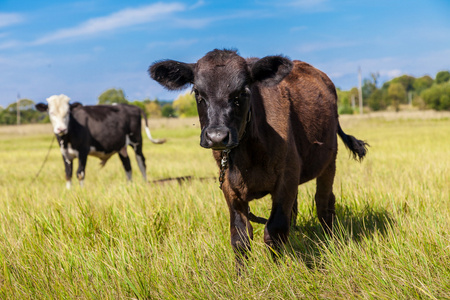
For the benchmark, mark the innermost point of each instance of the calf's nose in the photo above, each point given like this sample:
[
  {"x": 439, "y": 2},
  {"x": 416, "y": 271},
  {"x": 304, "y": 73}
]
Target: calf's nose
[
  {"x": 61, "y": 131},
  {"x": 217, "y": 137}
]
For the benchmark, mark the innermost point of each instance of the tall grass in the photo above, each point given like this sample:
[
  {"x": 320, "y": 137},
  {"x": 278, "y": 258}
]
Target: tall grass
[{"x": 113, "y": 240}]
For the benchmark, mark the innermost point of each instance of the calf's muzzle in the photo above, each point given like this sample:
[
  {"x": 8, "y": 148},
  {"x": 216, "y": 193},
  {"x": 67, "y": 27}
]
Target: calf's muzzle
[{"x": 218, "y": 138}]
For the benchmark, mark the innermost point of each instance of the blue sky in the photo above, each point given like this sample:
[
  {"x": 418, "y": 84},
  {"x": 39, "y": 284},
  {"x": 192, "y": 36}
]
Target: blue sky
[{"x": 82, "y": 48}]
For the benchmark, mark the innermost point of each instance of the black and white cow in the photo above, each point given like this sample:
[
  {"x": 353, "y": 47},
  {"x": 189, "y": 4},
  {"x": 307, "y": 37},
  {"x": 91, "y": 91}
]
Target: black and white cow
[{"x": 100, "y": 130}]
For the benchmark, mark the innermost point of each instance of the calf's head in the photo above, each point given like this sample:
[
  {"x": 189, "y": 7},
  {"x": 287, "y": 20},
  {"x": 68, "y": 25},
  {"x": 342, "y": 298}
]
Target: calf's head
[
  {"x": 58, "y": 108},
  {"x": 222, "y": 83}
]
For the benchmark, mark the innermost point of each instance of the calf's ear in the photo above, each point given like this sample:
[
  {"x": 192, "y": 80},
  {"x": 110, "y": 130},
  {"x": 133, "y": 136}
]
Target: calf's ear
[
  {"x": 270, "y": 70},
  {"x": 41, "y": 107},
  {"x": 171, "y": 74}
]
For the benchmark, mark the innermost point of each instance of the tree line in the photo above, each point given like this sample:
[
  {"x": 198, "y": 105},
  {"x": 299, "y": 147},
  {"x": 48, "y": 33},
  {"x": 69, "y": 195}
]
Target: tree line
[
  {"x": 423, "y": 92},
  {"x": 183, "y": 106}
]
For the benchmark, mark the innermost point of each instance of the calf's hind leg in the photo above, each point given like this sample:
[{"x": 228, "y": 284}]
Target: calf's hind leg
[
  {"x": 136, "y": 143},
  {"x": 126, "y": 162},
  {"x": 324, "y": 197},
  {"x": 140, "y": 158}
]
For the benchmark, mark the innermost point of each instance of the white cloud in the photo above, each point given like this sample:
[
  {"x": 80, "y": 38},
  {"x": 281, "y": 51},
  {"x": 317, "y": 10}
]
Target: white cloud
[
  {"x": 177, "y": 43},
  {"x": 391, "y": 73},
  {"x": 307, "y": 6},
  {"x": 8, "y": 19},
  {"x": 298, "y": 28},
  {"x": 198, "y": 23},
  {"x": 9, "y": 44},
  {"x": 312, "y": 47},
  {"x": 199, "y": 3},
  {"x": 121, "y": 19},
  {"x": 306, "y": 3}
]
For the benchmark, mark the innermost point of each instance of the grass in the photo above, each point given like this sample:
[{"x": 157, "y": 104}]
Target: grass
[{"x": 113, "y": 240}]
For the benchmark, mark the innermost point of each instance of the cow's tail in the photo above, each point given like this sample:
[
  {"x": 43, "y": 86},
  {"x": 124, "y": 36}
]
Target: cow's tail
[
  {"x": 147, "y": 131},
  {"x": 357, "y": 147}
]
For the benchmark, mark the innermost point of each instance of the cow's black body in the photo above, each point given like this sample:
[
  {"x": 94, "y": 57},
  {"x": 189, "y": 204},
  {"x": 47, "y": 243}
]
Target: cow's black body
[{"x": 101, "y": 131}]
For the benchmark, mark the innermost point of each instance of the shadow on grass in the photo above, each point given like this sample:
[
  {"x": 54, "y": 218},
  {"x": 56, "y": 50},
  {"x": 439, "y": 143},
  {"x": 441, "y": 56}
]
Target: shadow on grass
[{"x": 308, "y": 239}]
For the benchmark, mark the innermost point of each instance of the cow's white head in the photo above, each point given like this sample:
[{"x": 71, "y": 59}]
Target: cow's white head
[{"x": 58, "y": 110}]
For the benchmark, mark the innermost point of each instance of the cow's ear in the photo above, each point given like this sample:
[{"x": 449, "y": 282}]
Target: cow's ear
[
  {"x": 75, "y": 105},
  {"x": 270, "y": 70},
  {"x": 41, "y": 107},
  {"x": 171, "y": 74}
]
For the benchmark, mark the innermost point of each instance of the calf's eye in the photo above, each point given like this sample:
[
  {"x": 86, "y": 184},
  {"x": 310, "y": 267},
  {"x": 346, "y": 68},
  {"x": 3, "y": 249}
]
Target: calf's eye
[{"x": 197, "y": 96}]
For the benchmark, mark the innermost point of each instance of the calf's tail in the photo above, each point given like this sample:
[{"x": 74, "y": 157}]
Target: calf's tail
[
  {"x": 147, "y": 131},
  {"x": 357, "y": 147}
]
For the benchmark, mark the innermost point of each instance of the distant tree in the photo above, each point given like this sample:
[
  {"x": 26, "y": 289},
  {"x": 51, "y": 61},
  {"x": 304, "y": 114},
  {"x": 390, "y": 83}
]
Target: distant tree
[
  {"x": 418, "y": 102},
  {"x": 168, "y": 111},
  {"x": 112, "y": 96},
  {"x": 24, "y": 104},
  {"x": 422, "y": 83},
  {"x": 374, "y": 97},
  {"x": 442, "y": 76},
  {"x": 444, "y": 101},
  {"x": 354, "y": 97},
  {"x": 438, "y": 96},
  {"x": 153, "y": 109},
  {"x": 344, "y": 105},
  {"x": 186, "y": 105},
  {"x": 370, "y": 85},
  {"x": 376, "y": 100},
  {"x": 405, "y": 80},
  {"x": 396, "y": 94},
  {"x": 28, "y": 114},
  {"x": 139, "y": 104}
]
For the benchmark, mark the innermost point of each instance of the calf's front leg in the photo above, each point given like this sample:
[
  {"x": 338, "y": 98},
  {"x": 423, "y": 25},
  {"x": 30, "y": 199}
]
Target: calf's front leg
[
  {"x": 284, "y": 209},
  {"x": 241, "y": 231},
  {"x": 82, "y": 159},
  {"x": 68, "y": 169}
]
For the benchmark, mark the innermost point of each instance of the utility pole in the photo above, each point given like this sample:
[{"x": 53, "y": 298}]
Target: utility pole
[
  {"x": 18, "y": 109},
  {"x": 360, "y": 92}
]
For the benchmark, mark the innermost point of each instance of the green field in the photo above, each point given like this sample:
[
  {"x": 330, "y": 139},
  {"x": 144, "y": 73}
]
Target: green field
[{"x": 113, "y": 240}]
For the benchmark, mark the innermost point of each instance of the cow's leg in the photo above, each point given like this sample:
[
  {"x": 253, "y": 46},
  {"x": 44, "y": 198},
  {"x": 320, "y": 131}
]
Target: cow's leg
[
  {"x": 68, "y": 168},
  {"x": 123, "y": 154},
  {"x": 141, "y": 160},
  {"x": 82, "y": 159},
  {"x": 241, "y": 230},
  {"x": 277, "y": 227},
  {"x": 325, "y": 198}
]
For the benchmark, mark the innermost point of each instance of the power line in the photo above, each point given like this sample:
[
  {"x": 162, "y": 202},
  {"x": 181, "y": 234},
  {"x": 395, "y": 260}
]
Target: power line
[{"x": 18, "y": 109}]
